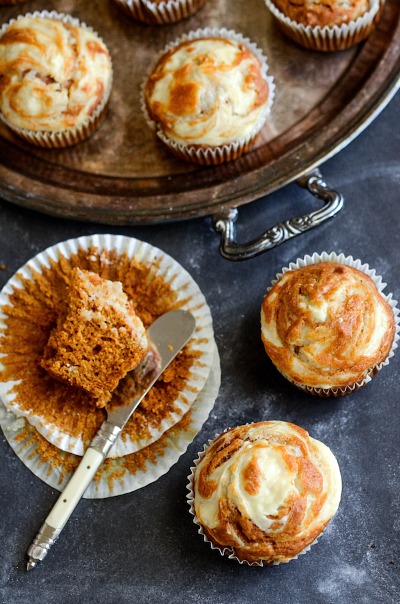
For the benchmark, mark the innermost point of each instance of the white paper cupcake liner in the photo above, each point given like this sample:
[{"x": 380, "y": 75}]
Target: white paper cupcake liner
[
  {"x": 203, "y": 154},
  {"x": 172, "y": 445},
  {"x": 62, "y": 138},
  {"x": 160, "y": 13},
  {"x": 226, "y": 551},
  {"x": 349, "y": 261},
  {"x": 189, "y": 297},
  {"x": 328, "y": 38}
]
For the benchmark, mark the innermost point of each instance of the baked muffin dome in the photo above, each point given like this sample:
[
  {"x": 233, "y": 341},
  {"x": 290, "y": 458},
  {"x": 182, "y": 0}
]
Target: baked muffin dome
[
  {"x": 209, "y": 92},
  {"x": 55, "y": 75},
  {"x": 326, "y": 326},
  {"x": 265, "y": 491},
  {"x": 323, "y": 12},
  {"x": 326, "y": 25}
]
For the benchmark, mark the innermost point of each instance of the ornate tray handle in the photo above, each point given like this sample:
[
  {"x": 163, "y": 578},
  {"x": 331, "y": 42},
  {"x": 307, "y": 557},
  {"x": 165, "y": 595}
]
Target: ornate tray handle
[{"x": 224, "y": 222}]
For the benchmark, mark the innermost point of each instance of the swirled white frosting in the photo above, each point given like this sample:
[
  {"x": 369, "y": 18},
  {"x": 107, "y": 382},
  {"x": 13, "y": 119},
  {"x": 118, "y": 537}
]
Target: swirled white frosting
[
  {"x": 267, "y": 490},
  {"x": 208, "y": 91},
  {"x": 53, "y": 75},
  {"x": 326, "y": 325}
]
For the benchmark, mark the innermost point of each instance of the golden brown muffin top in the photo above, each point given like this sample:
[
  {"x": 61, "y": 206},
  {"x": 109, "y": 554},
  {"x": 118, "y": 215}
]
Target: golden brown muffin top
[
  {"x": 325, "y": 325},
  {"x": 323, "y": 12},
  {"x": 53, "y": 75},
  {"x": 208, "y": 91},
  {"x": 267, "y": 490}
]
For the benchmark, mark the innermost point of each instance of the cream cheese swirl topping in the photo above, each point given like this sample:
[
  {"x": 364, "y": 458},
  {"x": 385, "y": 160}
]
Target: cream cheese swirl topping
[
  {"x": 267, "y": 490},
  {"x": 208, "y": 91},
  {"x": 53, "y": 75},
  {"x": 326, "y": 325},
  {"x": 324, "y": 12}
]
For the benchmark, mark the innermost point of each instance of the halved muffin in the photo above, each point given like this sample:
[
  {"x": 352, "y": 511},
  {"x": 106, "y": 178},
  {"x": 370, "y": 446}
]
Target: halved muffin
[{"x": 98, "y": 337}]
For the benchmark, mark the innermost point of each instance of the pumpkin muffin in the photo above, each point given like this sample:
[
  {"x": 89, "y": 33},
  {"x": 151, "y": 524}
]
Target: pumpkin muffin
[
  {"x": 262, "y": 493},
  {"x": 327, "y": 327},
  {"x": 98, "y": 337},
  {"x": 208, "y": 96},
  {"x": 55, "y": 78},
  {"x": 326, "y": 25},
  {"x": 323, "y": 12},
  {"x": 160, "y": 12}
]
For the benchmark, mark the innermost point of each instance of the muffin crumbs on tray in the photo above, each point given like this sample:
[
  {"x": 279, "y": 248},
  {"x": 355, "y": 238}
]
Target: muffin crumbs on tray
[{"x": 32, "y": 314}]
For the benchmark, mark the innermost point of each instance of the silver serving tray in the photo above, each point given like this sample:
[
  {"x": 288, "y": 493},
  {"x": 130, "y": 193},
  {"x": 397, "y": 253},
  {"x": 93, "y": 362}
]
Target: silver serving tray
[{"x": 124, "y": 175}]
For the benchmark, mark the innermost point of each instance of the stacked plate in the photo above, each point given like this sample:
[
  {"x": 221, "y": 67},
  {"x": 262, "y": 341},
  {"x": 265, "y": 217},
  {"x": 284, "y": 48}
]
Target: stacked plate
[{"x": 43, "y": 441}]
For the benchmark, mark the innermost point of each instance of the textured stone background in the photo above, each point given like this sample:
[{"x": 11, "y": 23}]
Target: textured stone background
[{"x": 143, "y": 547}]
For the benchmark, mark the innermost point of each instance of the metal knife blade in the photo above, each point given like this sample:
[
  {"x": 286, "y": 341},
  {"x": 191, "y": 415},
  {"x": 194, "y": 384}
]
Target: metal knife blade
[{"x": 169, "y": 333}]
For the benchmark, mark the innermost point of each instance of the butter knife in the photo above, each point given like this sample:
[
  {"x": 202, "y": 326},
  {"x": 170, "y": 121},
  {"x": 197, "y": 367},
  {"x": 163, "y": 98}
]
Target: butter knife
[{"x": 169, "y": 333}]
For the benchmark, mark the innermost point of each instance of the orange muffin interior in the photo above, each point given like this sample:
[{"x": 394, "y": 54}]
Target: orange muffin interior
[
  {"x": 98, "y": 337},
  {"x": 31, "y": 316}
]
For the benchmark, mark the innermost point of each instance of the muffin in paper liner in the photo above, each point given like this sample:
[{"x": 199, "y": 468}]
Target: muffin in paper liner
[
  {"x": 380, "y": 286},
  {"x": 25, "y": 301},
  {"x": 162, "y": 12},
  {"x": 329, "y": 38},
  {"x": 249, "y": 476},
  {"x": 120, "y": 475},
  {"x": 205, "y": 154},
  {"x": 58, "y": 139}
]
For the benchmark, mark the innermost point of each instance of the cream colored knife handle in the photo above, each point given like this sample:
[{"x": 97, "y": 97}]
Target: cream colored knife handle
[
  {"x": 65, "y": 505},
  {"x": 75, "y": 488}
]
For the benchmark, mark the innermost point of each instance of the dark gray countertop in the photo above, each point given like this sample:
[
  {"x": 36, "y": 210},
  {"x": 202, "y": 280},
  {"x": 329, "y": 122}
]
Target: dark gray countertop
[{"x": 143, "y": 547}]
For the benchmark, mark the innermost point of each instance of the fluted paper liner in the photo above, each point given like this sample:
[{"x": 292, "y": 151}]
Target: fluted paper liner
[
  {"x": 337, "y": 37},
  {"x": 160, "y": 13},
  {"x": 189, "y": 297},
  {"x": 349, "y": 261},
  {"x": 117, "y": 476},
  {"x": 59, "y": 139},
  {"x": 205, "y": 154},
  {"x": 226, "y": 551}
]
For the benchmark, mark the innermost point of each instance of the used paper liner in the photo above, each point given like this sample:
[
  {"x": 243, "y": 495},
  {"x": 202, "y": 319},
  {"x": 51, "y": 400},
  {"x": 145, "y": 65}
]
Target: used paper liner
[
  {"x": 349, "y": 261},
  {"x": 119, "y": 478},
  {"x": 203, "y": 154},
  {"x": 59, "y": 139},
  {"x": 188, "y": 293},
  {"x": 160, "y": 13},
  {"x": 226, "y": 551},
  {"x": 329, "y": 38}
]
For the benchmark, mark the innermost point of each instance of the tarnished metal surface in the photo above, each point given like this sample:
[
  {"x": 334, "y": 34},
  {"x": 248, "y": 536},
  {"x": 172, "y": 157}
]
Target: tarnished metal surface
[
  {"x": 224, "y": 223},
  {"x": 124, "y": 175}
]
